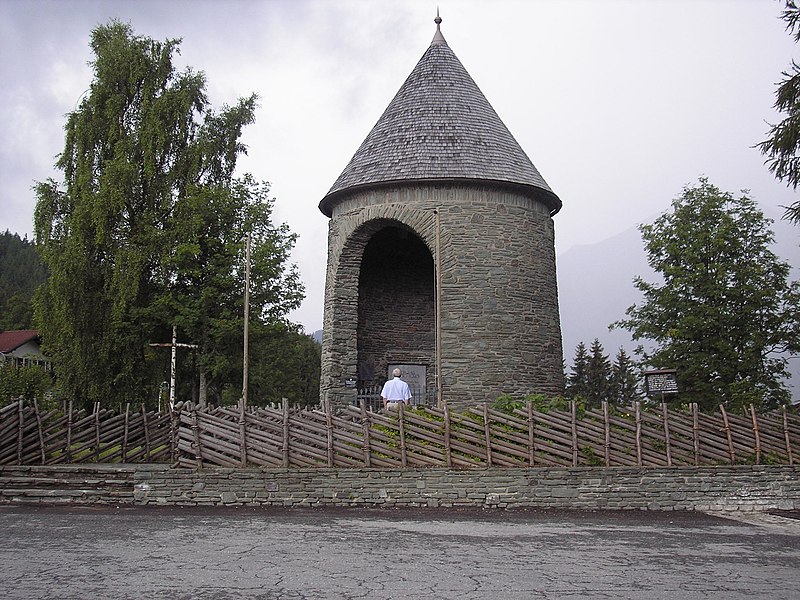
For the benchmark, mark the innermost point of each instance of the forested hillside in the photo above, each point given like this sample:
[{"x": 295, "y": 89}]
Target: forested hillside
[{"x": 21, "y": 272}]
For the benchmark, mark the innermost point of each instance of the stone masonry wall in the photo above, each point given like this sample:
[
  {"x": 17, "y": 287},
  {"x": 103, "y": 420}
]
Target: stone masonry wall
[
  {"x": 746, "y": 488},
  {"x": 396, "y": 320},
  {"x": 500, "y": 328}
]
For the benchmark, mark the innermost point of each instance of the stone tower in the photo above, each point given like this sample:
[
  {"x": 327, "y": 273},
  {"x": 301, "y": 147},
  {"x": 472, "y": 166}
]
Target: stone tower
[{"x": 441, "y": 250}]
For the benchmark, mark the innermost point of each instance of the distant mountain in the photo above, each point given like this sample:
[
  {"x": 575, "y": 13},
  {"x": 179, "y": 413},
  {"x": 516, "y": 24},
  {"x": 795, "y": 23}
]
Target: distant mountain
[
  {"x": 317, "y": 335},
  {"x": 595, "y": 287}
]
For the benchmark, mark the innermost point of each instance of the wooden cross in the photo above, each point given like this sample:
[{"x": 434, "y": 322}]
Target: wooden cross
[{"x": 174, "y": 345}]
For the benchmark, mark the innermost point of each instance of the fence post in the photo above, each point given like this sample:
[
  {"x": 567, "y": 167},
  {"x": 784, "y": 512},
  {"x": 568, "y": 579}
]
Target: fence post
[
  {"x": 786, "y": 436},
  {"x": 574, "y": 426},
  {"x": 607, "y": 431},
  {"x": 448, "y": 453},
  {"x": 174, "y": 417},
  {"x": 756, "y": 434},
  {"x": 695, "y": 433},
  {"x": 488, "y": 434},
  {"x": 365, "y": 427},
  {"x": 125, "y": 433},
  {"x": 146, "y": 427},
  {"x": 531, "y": 435},
  {"x": 41, "y": 432},
  {"x": 198, "y": 456},
  {"x": 727, "y": 429},
  {"x": 402, "y": 424},
  {"x": 285, "y": 432},
  {"x": 665, "y": 414},
  {"x": 638, "y": 406},
  {"x": 242, "y": 432},
  {"x": 21, "y": 423},
  {"x": 68, "y": 449},
  {"x": 329, "y": 426},
  {"x": 97, "y": 432}
]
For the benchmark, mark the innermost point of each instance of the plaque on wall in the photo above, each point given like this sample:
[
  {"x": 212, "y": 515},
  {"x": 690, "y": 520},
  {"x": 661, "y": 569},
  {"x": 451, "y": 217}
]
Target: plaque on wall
[{"x": 414, "y": 376}]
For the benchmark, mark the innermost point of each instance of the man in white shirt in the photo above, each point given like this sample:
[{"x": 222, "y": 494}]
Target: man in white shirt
[{"x": 395, "y": 391}]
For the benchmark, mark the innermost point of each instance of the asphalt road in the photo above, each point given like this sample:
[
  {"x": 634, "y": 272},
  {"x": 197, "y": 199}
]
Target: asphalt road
[{"x": 57, "y": 552}]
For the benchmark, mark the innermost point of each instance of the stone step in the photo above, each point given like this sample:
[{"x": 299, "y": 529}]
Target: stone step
[
  {"x": 60, "y": 482},
  {"x": 33, "y": 495}
]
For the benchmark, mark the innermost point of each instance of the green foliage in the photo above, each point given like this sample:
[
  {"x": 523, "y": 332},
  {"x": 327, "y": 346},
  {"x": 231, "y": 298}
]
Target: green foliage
[
  {"x": 544, "y": 404},
  {"x": 539, "y": 402},
  {"x": 725, "y": 315},
  {"x": 28, "y": 382},
  {"x": 508, "y": 403},
  {"x": 624, "y": 382},
  {"x": 782, "y": 148},
  {"x": 594, "y": 379},
  {"x": 289, "y": 366},
  {"x": 284, "y": 363},
  {"x": 148, "y": 231},
  {"x": 21, "y": 272},
  {"x": 578, "y": 380},
  {"x": 598, "y": 376},
  {"x": 590, "y": 458},
  {"x": 203, "y": 290}
]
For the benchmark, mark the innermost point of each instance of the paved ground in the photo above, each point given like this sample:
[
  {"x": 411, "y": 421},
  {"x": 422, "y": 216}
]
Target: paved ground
[{"x": 214, "y": 554}]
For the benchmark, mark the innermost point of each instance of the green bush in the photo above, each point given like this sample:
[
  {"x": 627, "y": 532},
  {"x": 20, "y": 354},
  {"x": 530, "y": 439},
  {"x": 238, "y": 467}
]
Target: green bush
[{"x": 30, "y": 383}]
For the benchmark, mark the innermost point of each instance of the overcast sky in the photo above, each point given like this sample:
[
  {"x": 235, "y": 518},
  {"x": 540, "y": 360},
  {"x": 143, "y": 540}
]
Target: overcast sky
[{"x": 618, "y": 103}]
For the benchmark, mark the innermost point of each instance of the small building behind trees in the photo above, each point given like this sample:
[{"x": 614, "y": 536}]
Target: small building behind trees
[{"x": 22, "y": 348}]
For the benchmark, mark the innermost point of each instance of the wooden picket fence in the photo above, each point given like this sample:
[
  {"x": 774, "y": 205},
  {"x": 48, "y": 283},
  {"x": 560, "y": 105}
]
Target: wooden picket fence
[
  {"x": 354, "y": 437},
  {"x": 29, "y": 436}
]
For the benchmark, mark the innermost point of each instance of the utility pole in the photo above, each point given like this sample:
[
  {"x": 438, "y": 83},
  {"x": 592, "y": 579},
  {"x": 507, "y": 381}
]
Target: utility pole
[{"x": 174, "y": 345}]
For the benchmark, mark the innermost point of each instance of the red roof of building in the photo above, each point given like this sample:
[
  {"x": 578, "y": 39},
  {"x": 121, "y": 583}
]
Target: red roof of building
[{"x": 11, "y": 340}]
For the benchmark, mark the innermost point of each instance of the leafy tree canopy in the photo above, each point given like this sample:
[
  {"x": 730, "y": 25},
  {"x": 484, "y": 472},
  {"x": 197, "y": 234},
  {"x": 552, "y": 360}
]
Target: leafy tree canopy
[
  {"x": 782, "y": 147},
  {"x": 726, "y": 314},
  {"x": 147, "y": 230},
  {"x": 21, "y": 272}
]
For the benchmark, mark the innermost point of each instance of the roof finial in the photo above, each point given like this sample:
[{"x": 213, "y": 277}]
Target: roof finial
[{"x": 438, "y": 38}]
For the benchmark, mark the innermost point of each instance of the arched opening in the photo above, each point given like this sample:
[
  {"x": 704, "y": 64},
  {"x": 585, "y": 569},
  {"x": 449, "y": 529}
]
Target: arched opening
[{"x": 396, "y": 300}]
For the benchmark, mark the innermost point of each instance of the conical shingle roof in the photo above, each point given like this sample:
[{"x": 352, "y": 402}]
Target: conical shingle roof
[{"x": 440, "y": 127}]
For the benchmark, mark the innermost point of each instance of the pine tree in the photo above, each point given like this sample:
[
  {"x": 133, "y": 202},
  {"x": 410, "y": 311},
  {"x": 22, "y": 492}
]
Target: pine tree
[
  {"x": 782, "y": 148},
  {"x": 578, "y": 380},
  {"x": 598, "y": 375},
  {"x": 624, "y": 380}
]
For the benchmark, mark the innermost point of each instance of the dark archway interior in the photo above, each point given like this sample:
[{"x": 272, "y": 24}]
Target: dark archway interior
[{"x": 396, "y": 318}]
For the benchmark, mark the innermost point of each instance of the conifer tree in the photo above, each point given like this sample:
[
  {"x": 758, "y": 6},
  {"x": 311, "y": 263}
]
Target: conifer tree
[
  {"x": 624, "y": 382},
  {"x": 578, "y": 380},
  {"x": 598, "y": 375},
  {"x": 782, "y": 147}
]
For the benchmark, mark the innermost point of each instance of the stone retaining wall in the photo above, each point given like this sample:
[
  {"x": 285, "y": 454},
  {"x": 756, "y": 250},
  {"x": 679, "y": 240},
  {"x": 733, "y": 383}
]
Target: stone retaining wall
[{"x": 681, "y": 488}]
